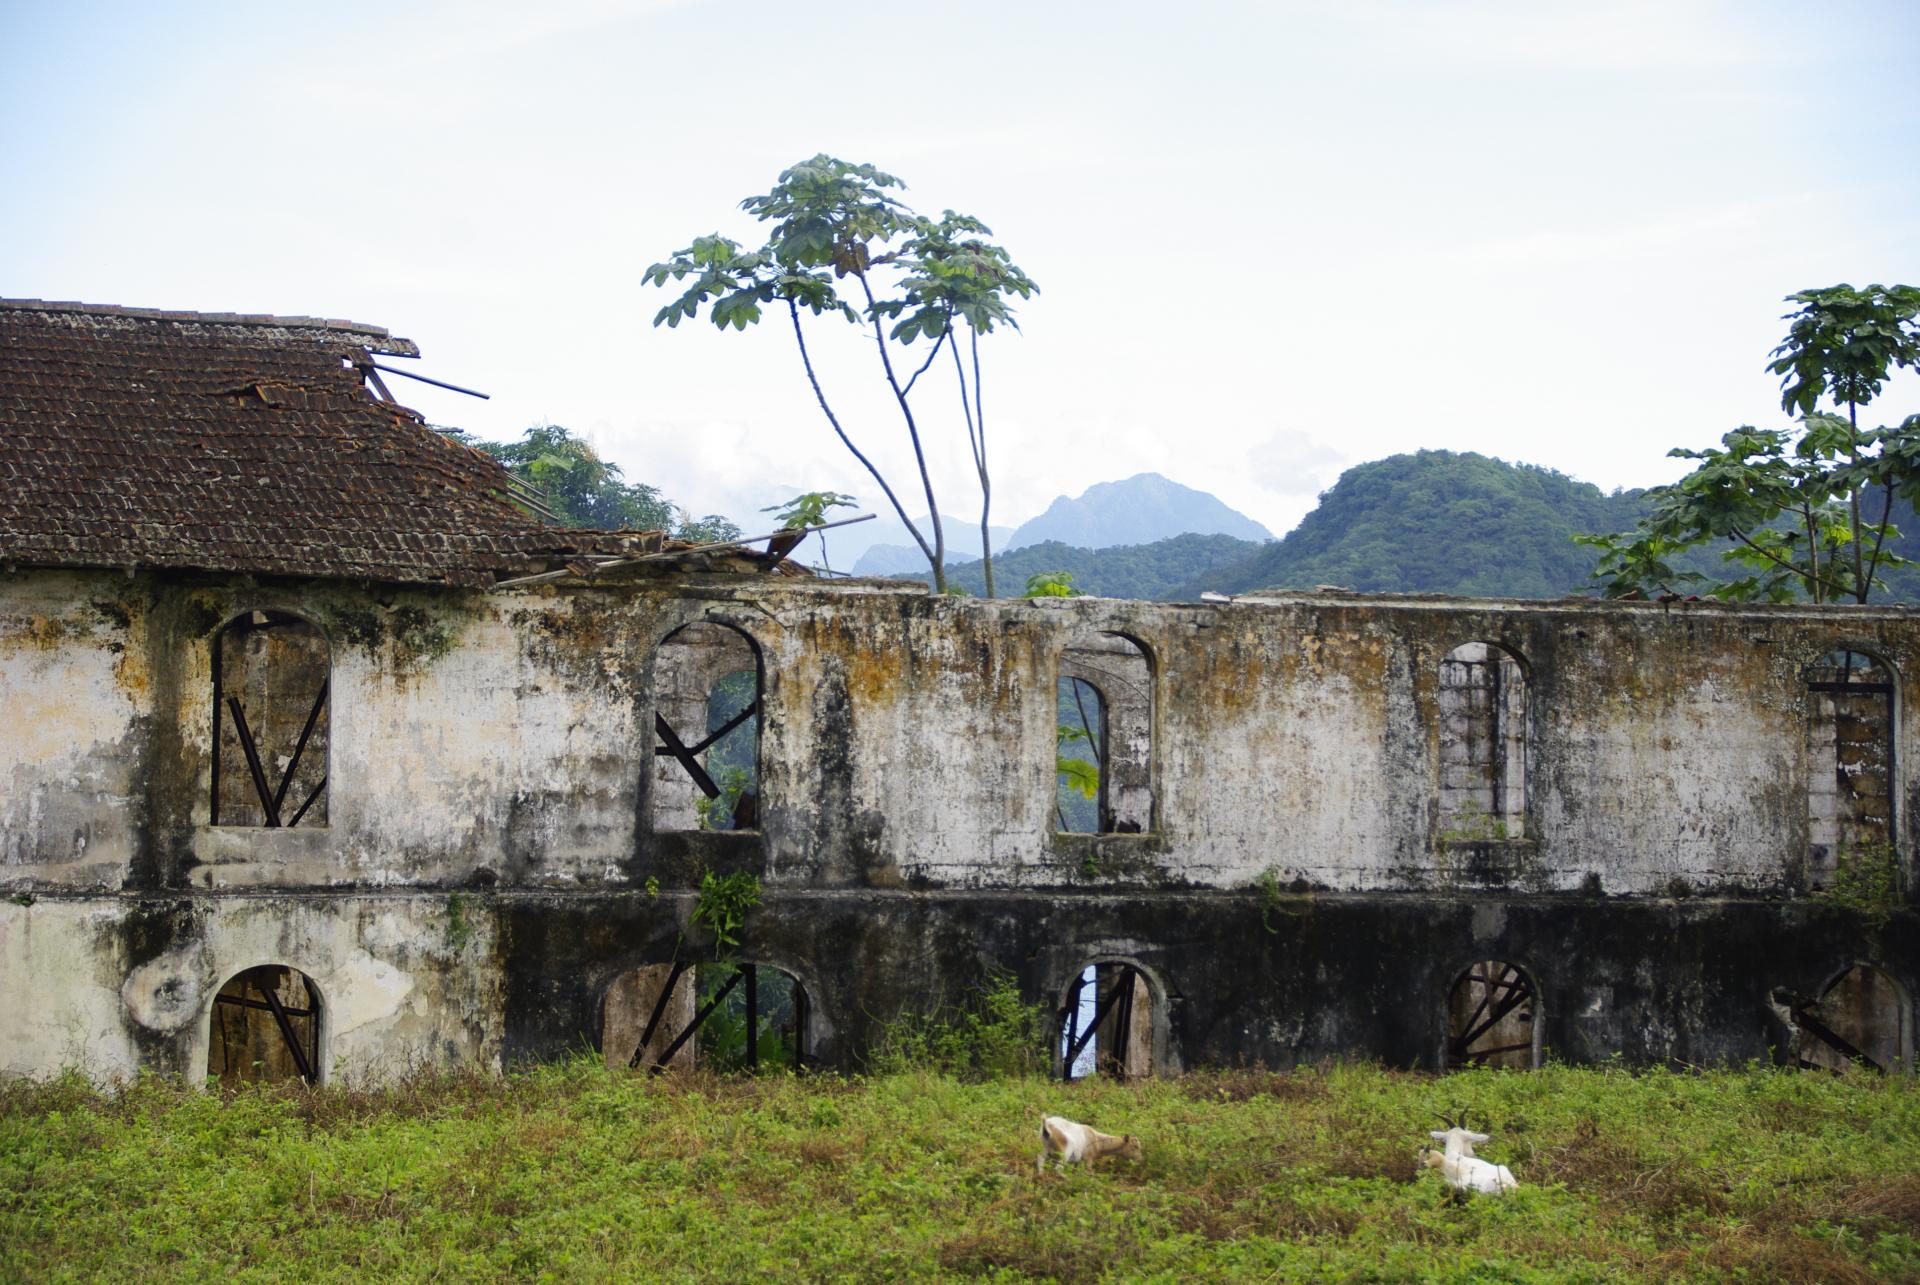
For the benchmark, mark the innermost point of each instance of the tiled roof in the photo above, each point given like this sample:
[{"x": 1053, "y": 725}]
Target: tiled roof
[{"x": 132, "y": 437}]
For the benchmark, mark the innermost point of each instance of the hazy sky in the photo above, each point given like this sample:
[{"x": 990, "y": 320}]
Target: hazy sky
[{"x": 1273, "y": 239}]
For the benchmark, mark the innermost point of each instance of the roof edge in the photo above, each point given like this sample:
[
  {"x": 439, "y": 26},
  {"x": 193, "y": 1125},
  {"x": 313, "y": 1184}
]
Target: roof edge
[{"x": 385, "y": 341}]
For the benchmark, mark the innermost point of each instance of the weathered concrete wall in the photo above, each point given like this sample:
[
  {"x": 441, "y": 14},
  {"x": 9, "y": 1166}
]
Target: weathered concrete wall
[{"x": 501, "y": 746}]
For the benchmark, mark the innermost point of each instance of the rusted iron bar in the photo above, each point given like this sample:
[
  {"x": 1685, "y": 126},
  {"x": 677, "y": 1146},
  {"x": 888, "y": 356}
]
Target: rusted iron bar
[
  {"x": 1100, "y": 1015},
  {"x": 300, "y": 746},
  {"x": 241, "y": 1002},
  {"x": 671, "y": 554},
  {"x": 1493, "y": 985},
  {"x": 1840, "y": 1043},
  {"x": 1123, "y": 1025},
  {"x": 699, "y": 1019},
  {"x": 1514, "y": 999},
  {"x": 272, "y": 996},
  {"x": 753, "y": 1016},
  {"x": 1484, "y": 1054},
  {"x": 302, "y": 810},
  {"x": 659, "y": 1008},
  {"x": 437, "y": 383},
  {"x": 727, "y": 726},
  {"x": 267, "y": 803},
  {"x": 799, "y": 1027},
  {"x": 675, "y": 749}
]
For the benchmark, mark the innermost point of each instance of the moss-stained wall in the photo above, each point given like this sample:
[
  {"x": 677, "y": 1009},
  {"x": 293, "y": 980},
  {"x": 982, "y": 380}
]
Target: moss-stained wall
[{"x": 499, "y": 748}]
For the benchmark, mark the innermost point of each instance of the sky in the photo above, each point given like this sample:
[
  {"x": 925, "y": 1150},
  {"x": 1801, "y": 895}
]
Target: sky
[{"x": 1273, "y": 240}]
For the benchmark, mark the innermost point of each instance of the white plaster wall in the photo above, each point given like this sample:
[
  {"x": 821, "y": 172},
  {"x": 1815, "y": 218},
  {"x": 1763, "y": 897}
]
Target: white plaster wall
[
  {"x": 402, "y": 987},
  {"x": 72, "y": 685}
]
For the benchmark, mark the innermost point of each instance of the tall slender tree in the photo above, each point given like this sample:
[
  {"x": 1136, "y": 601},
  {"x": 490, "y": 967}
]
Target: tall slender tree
[
  {"x": 842, "y": 245},
  {"x": 1790, "y": 502}
]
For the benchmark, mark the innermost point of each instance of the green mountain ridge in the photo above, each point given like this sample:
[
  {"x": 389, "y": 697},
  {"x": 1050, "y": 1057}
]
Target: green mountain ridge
[
  {"x": 1442, "y": 522},
  {"x": 1156, "y": 570}
]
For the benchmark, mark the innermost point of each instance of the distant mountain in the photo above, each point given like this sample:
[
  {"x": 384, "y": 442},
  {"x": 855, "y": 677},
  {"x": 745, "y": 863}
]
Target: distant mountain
[
  {"x": 899, "y": 552},
  {"x": 1140, "y": 510},
  {"x": 1441, "y": 522},
  {"x": 1154, "y": 570}
]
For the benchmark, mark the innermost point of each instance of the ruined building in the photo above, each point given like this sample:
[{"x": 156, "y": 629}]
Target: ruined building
[{"x": 320, "y": 757}]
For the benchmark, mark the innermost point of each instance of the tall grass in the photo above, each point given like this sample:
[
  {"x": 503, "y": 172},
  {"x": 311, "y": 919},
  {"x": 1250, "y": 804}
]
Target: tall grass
[{"x": 572, "y": 1171}]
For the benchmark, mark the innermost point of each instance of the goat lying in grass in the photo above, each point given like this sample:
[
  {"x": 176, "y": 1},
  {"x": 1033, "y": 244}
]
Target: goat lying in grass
[
  {"x": 1462, "y": 1170},
  {"x": 1076, "y": 1144}
]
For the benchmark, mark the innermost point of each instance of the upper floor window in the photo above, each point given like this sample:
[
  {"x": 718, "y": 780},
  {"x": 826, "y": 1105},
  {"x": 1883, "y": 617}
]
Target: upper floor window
[
  {"x": 1483, "y": 743},
  {"x": 271, "y": 675},
  {"x": 1104, "y": 758},
  {"x": 1849, "y": 758},
  {"x": 706, "y": 723}
]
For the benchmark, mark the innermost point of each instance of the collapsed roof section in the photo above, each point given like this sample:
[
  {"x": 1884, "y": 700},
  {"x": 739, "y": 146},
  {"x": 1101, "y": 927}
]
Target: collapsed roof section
[{"x": 240, "y": 443}]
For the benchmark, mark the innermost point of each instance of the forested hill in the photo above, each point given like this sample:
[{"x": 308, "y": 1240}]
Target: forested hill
[
  {"x": 1156, "y": 570},
  {"x": 1431, "y": 522},
  {"x": 1439, "y": 522}
]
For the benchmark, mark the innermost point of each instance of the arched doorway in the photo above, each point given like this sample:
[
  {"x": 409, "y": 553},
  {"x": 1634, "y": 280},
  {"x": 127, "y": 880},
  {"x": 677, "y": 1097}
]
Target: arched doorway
[
  {"x": 1860, "y": 1019},
  {"x": 266, "y": 1026},
  {"x": 727, "y": 1017},
  {"x": 1105, "y": 1023},
  {"x": 1493, "y": 1018}
]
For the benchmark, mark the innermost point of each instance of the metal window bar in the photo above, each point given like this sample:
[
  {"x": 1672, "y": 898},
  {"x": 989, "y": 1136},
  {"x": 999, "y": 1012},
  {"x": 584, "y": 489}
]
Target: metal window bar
[
  {"x": 1100, "y": 1014},
  {"x": 1513, "y": 990},
  {"x": 699, "y": 1020}
]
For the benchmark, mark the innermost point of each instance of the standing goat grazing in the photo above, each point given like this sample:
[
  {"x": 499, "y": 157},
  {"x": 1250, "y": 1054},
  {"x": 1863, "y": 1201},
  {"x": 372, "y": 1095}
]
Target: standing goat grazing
[
  {"x": 1076, "y": 1144},
  {"x": 1459, "y": 1166}
]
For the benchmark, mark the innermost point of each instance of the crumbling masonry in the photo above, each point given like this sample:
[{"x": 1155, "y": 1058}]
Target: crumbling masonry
[{"x": 350, "y": 820}]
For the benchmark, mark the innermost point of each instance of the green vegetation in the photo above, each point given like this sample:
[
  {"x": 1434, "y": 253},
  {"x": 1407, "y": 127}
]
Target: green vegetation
[
  {"x": 580, "y": 489},
  {"x": 575, "y": 1172},
  {"x": 1439, "y": 522},
  {"x": 1866, "y": 879},
  {"x": 808, "y": 509},
  {"x": 996, "y": 1034},
  {"x": 1163, "y": 569},
  {"x": 1804, "y": 514},
  {"x": 722, "y": 906}
]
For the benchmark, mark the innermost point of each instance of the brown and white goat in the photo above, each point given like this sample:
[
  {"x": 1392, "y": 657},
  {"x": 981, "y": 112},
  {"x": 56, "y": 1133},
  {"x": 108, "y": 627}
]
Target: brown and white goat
[{"x": 1076, "y": 1144}]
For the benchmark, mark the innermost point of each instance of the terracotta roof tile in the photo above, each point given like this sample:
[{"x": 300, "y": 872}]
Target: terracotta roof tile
[{"x": 133, "y": 437}]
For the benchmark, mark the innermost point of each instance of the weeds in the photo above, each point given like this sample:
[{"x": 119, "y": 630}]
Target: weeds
[
  {"x": 998, "y": 1034},
  {"x": 722, "y": 907},
  {"x": 1865, "y": 879},
  {"x": 573, "y": 1171}
]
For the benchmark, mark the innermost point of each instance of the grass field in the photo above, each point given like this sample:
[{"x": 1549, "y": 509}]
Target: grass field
[{"x": 572, "y": 1172}]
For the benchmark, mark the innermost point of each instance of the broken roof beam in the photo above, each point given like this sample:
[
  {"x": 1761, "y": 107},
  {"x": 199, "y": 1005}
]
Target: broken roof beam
[{"x": 670, "y": 554}]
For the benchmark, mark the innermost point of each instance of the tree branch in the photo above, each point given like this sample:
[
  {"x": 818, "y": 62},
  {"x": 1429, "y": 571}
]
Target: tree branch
[
  {"x": 937, "y": 556},
  {"x": 1879, "y": 538},
  {"x": 1814, "y": 579},
  {"x": 929, "y": 361},
  {"x": 976, "y": 438},
  {"x": 799, "y": 337}
]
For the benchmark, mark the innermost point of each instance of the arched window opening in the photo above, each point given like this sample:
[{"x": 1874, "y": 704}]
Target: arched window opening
[
  {"x": 706, "y": 721},
  {"x": 1493, "y": 1018},
  {"x": 1850, "y": 712},
  {"x": 1860, "y": 1020},
  {"x": 270, "y": 722},
  {"x": 728, "y": 1017},
  {"x": 1106, "y": 1024},
  {"x": 1104, "y": 756},
  {"x": 1483, "y": 749},
  {"x": 265, "y": 1026}
]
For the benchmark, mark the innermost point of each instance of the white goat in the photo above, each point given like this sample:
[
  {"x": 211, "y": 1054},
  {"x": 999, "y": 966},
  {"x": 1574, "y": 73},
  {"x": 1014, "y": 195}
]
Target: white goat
[
  {"x": 1077, "y": 1144},
  {"x": 1458, "y": 1165}
]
